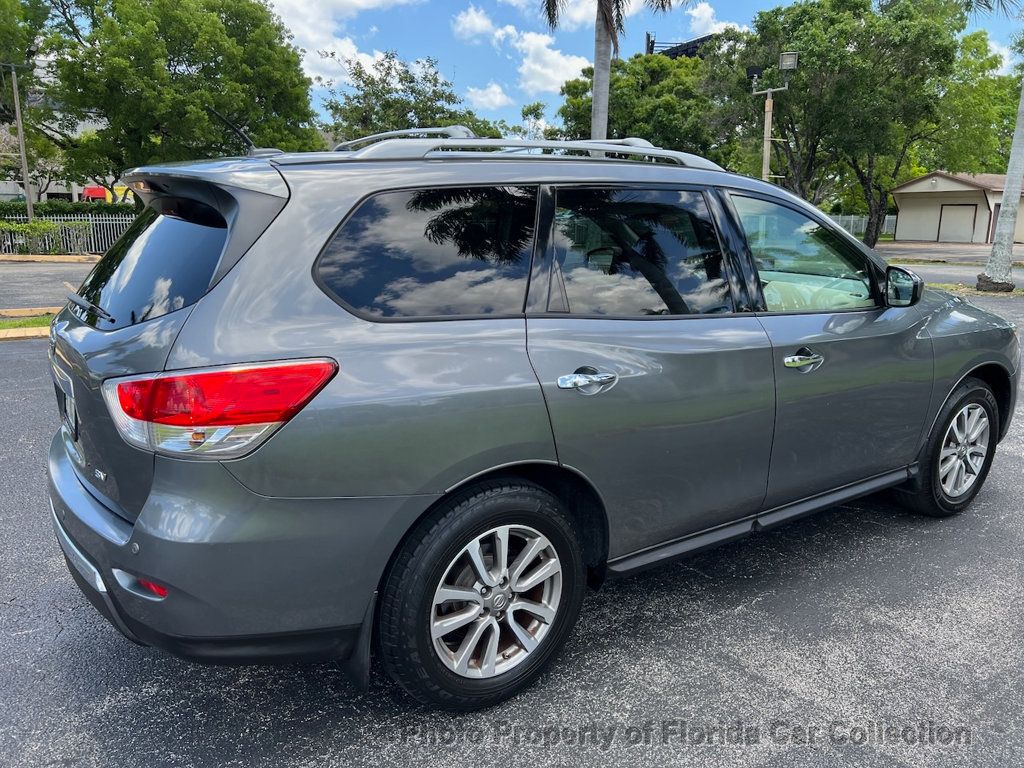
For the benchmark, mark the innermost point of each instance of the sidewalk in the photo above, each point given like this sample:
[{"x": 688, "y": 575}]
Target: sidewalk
[
  {"x": 51, "y": 258},
  {"x": 975, "y": 254}
]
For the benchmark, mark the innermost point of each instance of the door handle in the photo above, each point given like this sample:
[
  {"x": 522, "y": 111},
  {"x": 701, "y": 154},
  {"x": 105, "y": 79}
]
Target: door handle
[
  {"x": 804, "y": 360},
  {"x": 587, "y": 383}
]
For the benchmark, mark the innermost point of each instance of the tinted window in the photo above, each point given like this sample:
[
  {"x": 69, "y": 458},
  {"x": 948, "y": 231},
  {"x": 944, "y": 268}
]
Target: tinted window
[
  {"x": 802, "y": 265},
  {"x": 162, "y": 263},
  {"x": 636, "y": 252},
  {"x": 431, "y": 252}
]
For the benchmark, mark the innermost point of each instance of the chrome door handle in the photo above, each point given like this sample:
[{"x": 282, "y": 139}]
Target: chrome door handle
[
  {"x": 587, "y": 383},
  {"x": 804, "y": 360}
]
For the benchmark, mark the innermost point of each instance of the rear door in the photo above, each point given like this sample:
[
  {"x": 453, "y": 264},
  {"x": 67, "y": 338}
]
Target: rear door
[
  {"x": 659, "y": 390},
  {"x": 853, "y": 378}
]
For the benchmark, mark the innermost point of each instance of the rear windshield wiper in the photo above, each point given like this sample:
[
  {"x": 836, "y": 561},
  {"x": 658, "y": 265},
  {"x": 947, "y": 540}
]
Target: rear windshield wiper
[{"x": 84, "y": 303}]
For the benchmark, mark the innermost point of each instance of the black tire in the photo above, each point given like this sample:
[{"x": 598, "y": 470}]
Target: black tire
[
  {"x": 406, "y": 603},
  {"x": 927, "y": 496}
]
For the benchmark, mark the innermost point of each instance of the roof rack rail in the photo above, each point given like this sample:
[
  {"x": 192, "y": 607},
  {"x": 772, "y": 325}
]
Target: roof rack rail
[
  {"x": 451, "y": 131},
  {"x": 617, "y": 149}
]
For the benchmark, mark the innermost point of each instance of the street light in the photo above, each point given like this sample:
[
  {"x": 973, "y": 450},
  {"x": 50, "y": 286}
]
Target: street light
[{"x": 788, "y": 61}]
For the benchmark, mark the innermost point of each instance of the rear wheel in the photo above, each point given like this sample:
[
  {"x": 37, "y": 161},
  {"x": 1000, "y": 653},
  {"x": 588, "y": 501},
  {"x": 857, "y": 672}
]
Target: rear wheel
[
  {"x": 959, "y": 452},
  {"x": 480, "y": 597}
]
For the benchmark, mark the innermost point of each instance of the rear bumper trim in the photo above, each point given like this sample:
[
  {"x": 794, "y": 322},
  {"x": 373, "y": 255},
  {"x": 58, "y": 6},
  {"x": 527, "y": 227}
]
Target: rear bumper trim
[{"x": 75, "y": 556}]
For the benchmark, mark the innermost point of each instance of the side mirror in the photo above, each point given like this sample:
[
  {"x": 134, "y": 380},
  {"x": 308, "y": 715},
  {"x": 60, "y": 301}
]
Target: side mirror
[{"x": 903, "y": 288}]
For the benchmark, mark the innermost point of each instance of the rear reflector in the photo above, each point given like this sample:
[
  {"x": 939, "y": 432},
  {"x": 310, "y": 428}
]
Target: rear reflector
[
  {"x": 213, "y": 412},
  {"x": 157, "y": 589}
]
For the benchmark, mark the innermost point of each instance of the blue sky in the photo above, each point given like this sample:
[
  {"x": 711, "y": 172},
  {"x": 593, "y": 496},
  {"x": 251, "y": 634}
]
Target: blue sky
[{"x": 500, "y": 54}]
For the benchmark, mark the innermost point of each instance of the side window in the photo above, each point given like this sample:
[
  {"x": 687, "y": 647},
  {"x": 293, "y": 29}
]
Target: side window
[
  {"x": 803, "y": 266},
  {"x": 434, "y": 252},
  {"x": 634, "y": 252}
]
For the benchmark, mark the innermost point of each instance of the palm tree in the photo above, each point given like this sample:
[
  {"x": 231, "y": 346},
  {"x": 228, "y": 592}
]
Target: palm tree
[
  {"x": 997, "y": 275},
  {"x": 607, "y": 26}
]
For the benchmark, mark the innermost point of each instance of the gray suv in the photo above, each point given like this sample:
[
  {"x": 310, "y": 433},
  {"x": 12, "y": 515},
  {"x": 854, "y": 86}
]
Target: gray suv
[{"x": 413, "y": 396}]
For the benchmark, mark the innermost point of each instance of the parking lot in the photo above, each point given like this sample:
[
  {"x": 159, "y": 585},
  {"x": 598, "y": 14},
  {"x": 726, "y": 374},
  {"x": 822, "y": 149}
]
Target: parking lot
[{"x": 862, "y": 635}]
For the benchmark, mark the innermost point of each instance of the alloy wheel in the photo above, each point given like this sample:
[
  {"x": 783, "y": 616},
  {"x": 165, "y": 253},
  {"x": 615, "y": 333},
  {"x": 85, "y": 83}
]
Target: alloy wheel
[
  {"x": 496, "y": 601},
  {"x": 963, "y": 451}
]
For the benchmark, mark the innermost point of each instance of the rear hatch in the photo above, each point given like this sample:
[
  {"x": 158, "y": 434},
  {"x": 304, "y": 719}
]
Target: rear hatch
[{"x": 197, "y": 223}]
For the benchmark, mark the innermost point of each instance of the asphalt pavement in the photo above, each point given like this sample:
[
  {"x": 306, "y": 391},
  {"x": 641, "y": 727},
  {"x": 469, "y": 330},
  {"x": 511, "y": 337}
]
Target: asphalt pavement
[
  {"x": 29, "y": 284},
  {"x": 863, "y": 635}
]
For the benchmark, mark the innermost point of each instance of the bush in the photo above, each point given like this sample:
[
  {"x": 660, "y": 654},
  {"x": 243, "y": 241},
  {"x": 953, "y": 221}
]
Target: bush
[
  {"x": 41, "y": 236},
  {"x": 63, "y": 207}
]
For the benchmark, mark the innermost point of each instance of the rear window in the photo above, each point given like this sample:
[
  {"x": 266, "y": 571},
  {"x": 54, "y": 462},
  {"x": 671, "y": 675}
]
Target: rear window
[
  {"x": 164, "y": 262},
  {"x": 434, "y": 252}
]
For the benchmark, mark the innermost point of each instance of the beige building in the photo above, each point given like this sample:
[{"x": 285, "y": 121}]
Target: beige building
[{"x": 951, "y": 208}]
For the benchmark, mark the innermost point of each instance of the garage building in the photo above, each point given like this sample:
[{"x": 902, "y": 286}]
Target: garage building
[{"x": 951, "y": 208}]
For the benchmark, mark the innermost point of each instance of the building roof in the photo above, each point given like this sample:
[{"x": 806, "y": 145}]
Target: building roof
[{"x": 993, "y": 182}]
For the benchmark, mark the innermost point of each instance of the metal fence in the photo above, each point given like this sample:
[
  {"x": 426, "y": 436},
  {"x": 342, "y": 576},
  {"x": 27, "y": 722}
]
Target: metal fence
[
  {"x": 103, "y": 230},
  {"x": 856, "y": 225}
]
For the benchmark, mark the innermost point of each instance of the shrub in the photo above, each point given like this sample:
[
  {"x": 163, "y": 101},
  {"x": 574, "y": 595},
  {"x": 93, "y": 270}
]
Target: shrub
[{"x": 63, "y": 207}]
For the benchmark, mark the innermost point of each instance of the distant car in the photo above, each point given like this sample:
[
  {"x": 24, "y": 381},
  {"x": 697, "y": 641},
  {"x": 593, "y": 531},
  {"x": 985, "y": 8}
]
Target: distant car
[{"x": 416, "y": 395}]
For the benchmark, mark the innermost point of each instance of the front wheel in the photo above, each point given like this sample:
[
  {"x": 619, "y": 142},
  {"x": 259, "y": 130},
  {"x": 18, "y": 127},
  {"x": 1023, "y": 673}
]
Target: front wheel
[
  {"x": 480, "y": 597},
  {"x": 959, "y": 453}
]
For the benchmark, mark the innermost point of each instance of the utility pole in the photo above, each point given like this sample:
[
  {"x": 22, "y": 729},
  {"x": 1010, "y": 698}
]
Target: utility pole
[
  {"x": 787, "y": 64},
  {"x": 21, "y": 142}
]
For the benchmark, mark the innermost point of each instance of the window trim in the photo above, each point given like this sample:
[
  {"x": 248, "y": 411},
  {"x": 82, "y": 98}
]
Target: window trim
[
  {"x": 322, "y": 285},
  {"x": 545, "y": 273},
  {"x": 762, "y": 309}
]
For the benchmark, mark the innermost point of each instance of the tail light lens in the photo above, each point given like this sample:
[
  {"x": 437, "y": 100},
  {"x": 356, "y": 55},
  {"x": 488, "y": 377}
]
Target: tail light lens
[{"x": 213, "y": 412}]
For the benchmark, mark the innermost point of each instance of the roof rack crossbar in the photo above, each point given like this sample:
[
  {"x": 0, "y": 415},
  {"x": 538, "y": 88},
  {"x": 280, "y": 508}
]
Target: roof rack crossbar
[
  {"x": 414, "y": 149},
  {"x": 450, "y": 131}
]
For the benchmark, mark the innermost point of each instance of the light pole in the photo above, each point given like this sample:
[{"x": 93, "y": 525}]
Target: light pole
[
  {"x": 21, "y": 140},
  {"x": 787, "y": 64}
]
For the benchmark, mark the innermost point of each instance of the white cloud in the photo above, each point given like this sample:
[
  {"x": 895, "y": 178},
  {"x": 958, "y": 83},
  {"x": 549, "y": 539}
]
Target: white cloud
[
  {"x": 704, "y": 20},
  {"x": 318, "y": 24},
  {"x": 491, "y": 97},
  {"x": 574, "y": 13},
  {"x": 544, "y": 69},
  {"x": 1005, "y": 53},
  {"x": 472, "y": 24}
]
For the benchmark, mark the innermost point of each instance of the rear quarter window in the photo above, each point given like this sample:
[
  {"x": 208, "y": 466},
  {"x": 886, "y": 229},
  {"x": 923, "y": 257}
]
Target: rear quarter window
[
  {"x": 164, "y": 262},
  {"x": 454, "y": 251}
]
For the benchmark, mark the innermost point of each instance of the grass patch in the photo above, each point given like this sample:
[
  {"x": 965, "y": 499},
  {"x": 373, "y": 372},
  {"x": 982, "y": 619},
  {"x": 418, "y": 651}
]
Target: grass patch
[
  {"x": 968, "y": 290},
  {"x": 39, "y": 321},
  {"x": 978, "y": 264}
]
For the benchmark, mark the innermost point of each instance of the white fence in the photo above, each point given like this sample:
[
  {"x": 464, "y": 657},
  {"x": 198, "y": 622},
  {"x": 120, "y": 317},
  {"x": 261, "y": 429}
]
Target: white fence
[
  {"x": 103, "y": 230},
  {"x": 856, "y": 225}
]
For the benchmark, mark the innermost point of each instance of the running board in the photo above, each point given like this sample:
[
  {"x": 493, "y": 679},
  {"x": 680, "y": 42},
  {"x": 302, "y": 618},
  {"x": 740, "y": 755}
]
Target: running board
[{"x": 708, "y": 539}]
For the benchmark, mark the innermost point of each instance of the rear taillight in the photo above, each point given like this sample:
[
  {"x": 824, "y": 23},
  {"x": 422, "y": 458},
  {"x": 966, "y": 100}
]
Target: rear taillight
[{"x": 213, "y": 412}]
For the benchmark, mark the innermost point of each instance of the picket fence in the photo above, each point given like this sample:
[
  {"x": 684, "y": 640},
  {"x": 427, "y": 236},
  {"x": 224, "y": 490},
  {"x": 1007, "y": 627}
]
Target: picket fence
[{"x": 103, "y": 231}]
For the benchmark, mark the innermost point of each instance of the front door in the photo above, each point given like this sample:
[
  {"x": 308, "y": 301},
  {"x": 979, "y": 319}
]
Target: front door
[
  {"x": 658, "y": 391},
  {"x": 853, "y": 379}
]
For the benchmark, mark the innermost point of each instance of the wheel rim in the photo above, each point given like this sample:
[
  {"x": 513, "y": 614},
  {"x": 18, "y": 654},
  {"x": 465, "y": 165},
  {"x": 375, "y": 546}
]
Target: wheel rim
[
  {"x": 496, "y": 602},
  {"x": 964, "y": 449}
]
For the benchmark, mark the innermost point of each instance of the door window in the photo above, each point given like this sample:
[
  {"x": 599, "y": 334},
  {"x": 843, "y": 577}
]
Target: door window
[
  {"x": 803, "y": 266},
  {"x": 636, "y": 252}
]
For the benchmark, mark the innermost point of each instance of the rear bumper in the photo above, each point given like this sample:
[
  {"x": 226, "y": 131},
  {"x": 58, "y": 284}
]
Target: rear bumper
[{"x": 249, "y": 578}]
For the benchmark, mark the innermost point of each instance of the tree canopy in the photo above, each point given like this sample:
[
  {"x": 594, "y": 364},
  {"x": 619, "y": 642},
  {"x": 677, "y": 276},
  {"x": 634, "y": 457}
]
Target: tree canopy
[
  {"x": 131, "y": 82},
  {"x": 391, "y": 95}
]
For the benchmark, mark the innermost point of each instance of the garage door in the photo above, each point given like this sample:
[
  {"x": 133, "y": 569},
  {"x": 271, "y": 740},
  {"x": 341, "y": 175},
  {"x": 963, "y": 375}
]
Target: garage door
[{"x": 956, "y": 223}]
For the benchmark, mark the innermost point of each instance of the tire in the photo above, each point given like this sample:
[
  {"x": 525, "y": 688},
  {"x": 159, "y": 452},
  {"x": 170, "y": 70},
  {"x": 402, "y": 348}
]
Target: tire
[
  {"x": 930, "y": 496},
  {"x": 537, "y": 530}
]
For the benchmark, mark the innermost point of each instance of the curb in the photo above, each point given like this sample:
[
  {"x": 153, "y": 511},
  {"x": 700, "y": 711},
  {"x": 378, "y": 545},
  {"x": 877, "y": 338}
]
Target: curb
[
  {"x": 50, "y": 258},
  {"x": 30, "y": 311},
  {"x": 17, "y": 334}
]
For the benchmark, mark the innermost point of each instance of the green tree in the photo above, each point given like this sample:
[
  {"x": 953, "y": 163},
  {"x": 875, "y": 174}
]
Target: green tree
[
  {"x": 864, "y": 99},
  {"x": 608, "y": 24},
  {"x": 652, "y": 97},
  {"x": 133, "y": 81},
  {"x": 976, "y": 112},
  {"x": 392, "y": 95}
]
